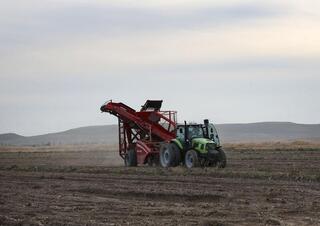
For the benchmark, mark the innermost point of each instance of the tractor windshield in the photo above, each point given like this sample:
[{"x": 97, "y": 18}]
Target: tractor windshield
[{"x": 195, "y": 131}]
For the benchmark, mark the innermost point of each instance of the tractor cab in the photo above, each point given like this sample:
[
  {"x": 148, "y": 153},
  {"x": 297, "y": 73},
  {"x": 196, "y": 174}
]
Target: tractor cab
[{"x": 194, "y": 133}]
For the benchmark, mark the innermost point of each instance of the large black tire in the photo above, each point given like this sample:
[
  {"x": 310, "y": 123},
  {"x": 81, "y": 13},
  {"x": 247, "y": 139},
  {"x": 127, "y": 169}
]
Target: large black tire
[
  {"x": 152, "y": 160},
  {"x": 222, "y": 161},
  {"x": 177, "y": 153},
  {"x": 149, "y": 160},
  {"x": 167, "y": 155},
  {"x": 131, "y": 158},
  {"x": 191, "y": 159}
]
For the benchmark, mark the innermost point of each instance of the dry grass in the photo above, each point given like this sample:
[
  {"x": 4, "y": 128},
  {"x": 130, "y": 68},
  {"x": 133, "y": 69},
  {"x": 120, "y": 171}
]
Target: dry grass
[{"x": 297, "y": 144}]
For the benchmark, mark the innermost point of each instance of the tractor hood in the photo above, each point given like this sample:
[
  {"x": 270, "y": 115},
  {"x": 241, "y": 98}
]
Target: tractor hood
[{"x": 202, "y": 141}]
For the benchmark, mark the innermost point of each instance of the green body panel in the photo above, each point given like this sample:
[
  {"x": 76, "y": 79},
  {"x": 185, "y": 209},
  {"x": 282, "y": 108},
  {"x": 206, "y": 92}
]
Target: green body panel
[{"x": 200, "y": 144}]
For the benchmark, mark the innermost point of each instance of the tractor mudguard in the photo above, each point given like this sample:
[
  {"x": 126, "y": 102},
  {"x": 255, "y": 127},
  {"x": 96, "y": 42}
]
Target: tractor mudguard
[{"x": 178, "y": 143}]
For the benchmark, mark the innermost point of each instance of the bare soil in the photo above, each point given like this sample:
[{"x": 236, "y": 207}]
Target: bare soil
[{"x": 91, "y": 187}]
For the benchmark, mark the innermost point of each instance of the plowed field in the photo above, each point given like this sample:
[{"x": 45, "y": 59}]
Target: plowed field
[{"x": 258, "y": 187}]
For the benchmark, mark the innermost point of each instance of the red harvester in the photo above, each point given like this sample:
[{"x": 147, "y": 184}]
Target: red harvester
[{"x": 142, "y": 132}]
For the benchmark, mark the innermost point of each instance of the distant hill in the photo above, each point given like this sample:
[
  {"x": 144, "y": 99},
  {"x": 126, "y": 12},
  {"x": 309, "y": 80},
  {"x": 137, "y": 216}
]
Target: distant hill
[
  {"x": 268, "y": 131},
  {"x": 108, "y": 134},
  {"x": 83, "y": 135},
  {"x": 9, "y": 136}
]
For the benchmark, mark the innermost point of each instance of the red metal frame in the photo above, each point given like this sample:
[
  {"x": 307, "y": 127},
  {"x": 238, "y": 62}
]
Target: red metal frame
[{"x": 142, "y": 130}]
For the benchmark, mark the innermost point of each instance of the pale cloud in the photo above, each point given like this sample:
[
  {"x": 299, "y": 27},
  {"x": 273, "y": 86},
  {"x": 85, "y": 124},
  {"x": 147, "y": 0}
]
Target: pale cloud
[{"x": 279, "y": 39}]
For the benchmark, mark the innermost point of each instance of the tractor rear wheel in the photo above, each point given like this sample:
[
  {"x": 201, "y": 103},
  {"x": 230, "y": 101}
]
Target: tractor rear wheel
[
  {"x": 167, "y": 155},
  {"x": 222, "y": 160},
  {"x": 177, "y": 154},
  {"x": 131, "y": 158},
  {"x": 191, "y": 159}
]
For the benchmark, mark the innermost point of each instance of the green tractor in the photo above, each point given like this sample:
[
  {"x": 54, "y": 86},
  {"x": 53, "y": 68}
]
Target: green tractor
[{"x": 196, "y": 145}]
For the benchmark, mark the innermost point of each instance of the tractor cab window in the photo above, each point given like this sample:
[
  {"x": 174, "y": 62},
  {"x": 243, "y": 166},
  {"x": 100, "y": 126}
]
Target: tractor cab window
[
  {"x": 213, "y": 134},
  {"x": 180, "y": 133},
  {"x": 195, "y": 131}
]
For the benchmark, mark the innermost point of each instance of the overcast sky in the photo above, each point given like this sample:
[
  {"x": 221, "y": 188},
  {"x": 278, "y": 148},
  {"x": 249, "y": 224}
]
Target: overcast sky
[{"x": 229, "y": 61}]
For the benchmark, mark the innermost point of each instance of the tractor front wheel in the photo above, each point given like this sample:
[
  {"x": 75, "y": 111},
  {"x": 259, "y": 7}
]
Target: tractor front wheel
[
  {"x": 191, "y": 159},
  {"x": 222, "y": 160}
]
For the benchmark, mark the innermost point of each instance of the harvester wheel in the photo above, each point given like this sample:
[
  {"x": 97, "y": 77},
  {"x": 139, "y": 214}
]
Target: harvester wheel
[
  {"x": 167, "y": 155},
  {"x": 152, "y": 161},
  {"x": 131, "y": 158},
  {"x": 191, "y": 159},
  {"x": 177, "y": 154},
  {"x": 222, "y": 161}
]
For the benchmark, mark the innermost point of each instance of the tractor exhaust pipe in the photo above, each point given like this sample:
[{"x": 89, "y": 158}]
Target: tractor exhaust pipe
[
  {"x": 186, "y": 135},
  {"x": 206, "y": 124}
]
